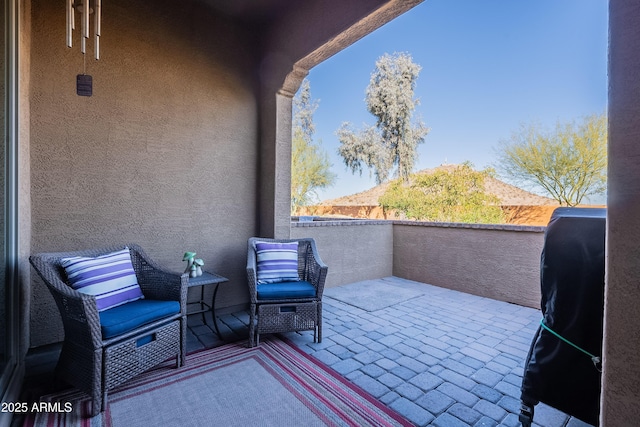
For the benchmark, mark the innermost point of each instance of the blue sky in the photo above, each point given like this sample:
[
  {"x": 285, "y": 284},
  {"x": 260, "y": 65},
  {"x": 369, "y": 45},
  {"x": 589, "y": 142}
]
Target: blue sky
[{"x": 487, "y": 67}]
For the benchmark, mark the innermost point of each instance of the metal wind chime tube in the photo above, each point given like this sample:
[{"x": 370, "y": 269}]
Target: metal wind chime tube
[
  {"x": 71, "y": 23},
  {"x": 85, "y": 27},
  {"x": 84, "y": 7},
  {"x": 97, "y": 25}
]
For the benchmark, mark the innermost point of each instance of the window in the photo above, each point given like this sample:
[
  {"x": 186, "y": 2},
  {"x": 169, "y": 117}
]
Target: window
[{"x": 9, "y": 339}]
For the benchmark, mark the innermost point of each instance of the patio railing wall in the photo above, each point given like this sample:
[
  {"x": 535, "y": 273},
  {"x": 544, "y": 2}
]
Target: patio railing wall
[
  {"x": 495, "y": 261},
  {"x": 354, "y": 250}
]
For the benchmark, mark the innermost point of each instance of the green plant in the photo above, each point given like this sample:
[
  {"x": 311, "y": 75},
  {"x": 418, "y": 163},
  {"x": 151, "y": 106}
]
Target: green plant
[{"x": 454, "y": 194}]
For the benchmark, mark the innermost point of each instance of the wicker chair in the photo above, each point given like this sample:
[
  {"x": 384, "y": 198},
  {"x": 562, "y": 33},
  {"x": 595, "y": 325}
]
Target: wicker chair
[
  {"x": 95, "y": 364},
  {"x": 271, "y": 313}
]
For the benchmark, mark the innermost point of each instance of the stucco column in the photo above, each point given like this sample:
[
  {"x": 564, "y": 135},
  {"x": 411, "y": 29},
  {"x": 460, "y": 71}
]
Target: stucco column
[
  {"x": 282, "y": 196},
  {"x": 621, "y": 364},
  {"x": 275, "y": 159},
  {"x": 274, "y": 188}
]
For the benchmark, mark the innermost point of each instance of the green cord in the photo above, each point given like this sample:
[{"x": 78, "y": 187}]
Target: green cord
[{"x": 594, "y": 359}]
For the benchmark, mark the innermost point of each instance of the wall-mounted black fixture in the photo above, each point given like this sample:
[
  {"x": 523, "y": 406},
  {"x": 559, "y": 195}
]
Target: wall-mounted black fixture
[{"x": 84, "y": 85}]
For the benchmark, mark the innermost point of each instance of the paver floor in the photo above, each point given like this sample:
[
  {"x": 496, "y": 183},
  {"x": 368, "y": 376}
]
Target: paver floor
[{"x": 437, "y": 356}]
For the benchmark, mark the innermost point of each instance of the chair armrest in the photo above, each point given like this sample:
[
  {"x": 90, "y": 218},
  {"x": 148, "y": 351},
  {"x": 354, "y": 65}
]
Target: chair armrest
[
  {"x": 79, "y": 311},
  {"x": 315, "y": 269},
  {"x": 162, "y": 285},
  {"x": 156, "y": 282},
  {"x": 252, "y": 276}
]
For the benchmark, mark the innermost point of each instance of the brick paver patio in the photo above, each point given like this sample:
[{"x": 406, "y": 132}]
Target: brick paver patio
[{"x": 443, "y": 358}]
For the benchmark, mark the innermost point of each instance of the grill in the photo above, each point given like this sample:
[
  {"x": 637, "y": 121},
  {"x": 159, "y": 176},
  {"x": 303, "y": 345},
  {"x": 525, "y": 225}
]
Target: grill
[{"x": 562, "y": 368}]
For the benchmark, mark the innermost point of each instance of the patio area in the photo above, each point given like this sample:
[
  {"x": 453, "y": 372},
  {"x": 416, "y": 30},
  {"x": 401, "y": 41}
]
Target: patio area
[
  {"x": 437, "y": 356},
  {"x": 193, "y": 102}
]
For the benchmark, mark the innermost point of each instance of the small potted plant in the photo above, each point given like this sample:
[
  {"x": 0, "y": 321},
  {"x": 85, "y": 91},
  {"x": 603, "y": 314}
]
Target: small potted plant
[{"x": 194, "y": 265}]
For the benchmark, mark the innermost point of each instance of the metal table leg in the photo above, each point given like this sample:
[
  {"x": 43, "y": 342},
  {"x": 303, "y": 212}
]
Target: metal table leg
[{"x": 213, "y": 311}]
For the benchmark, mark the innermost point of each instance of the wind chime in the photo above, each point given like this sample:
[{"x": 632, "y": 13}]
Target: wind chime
[{"x": 84, "y": 82}]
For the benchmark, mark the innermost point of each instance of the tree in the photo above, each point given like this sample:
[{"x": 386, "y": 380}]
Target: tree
[
  {"x": 393, "y": 141},
  {"x": 310, "y": 166},
  {"x": 569, "y": 163},
  {"x": 453, "y": 194}
]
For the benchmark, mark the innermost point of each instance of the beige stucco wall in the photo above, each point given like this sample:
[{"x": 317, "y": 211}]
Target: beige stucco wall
[
  {"x": 353, "y": 250},
  {"x": 163, "y": 154},
  {"x": 621, "y": 363},
  {"x": 499, "y": 262},
  {"x": 185, "y": 143}
]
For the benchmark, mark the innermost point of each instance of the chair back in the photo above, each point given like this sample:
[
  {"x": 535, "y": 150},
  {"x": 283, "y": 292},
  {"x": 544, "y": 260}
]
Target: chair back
[
  {"x": 79, "y": 311},
  {"x": 310, "y": 266}
]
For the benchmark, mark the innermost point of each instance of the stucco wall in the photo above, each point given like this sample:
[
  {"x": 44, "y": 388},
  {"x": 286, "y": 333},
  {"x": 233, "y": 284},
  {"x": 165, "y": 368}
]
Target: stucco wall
[
  {"x": 353, "y": 250},
  {"x": 621, "y": 362},
  {"x": 499, "y": 262},
  {"x": 163, "y": 154},
  {"x": 183, "y": 144}
]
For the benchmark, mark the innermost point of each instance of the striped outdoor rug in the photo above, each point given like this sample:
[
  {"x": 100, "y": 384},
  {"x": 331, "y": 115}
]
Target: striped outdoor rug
[{"x": 274, "y": 384}]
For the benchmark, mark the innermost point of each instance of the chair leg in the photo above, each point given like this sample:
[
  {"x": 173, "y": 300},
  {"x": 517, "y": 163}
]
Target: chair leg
[
  {"x": 182, "y": 357},
  {"x": 99, "y": 392},
  {"x": 96, "y": 406},
  {"x": 319, "y": 321},
  {"x": 179, "y": 355},
  {"x": 315, "y": 326},
  {"x": 252, "y": 326},
  {"x": 104, "y": 401},
  {"x": 99, "y": 397}
]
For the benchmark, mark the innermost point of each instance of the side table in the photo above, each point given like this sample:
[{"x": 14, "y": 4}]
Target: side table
[{"x": 207, "y": 278}]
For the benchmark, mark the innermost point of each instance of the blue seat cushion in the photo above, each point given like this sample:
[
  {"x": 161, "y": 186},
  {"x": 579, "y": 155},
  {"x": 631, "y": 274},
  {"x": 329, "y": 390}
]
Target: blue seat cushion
[
  {"x": 127, "y": 317},
  {"x": 286, "y": 290}
]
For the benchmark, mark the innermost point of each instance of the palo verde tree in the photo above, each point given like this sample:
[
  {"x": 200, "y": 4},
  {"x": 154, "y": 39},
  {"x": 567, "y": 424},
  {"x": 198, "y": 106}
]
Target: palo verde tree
[
  {"x": 392, "y": 142},
  {"x": 568, "y": 163},
  {"x": 446, "y": 194},
  {"x": 310, "y": 166}
]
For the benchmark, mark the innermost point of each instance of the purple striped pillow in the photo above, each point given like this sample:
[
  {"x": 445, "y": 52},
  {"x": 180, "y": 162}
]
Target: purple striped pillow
[
  {"x": 110, "y": 278},
  {"x": 277, "y": 262}
]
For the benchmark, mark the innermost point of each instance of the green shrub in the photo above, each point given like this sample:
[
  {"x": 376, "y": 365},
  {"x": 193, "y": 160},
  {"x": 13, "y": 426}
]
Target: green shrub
[{"x": 454, "y": 194}]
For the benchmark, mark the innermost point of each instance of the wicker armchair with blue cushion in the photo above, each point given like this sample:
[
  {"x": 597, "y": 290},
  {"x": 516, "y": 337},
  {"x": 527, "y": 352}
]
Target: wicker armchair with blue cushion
[
  {"x": 122, "y": 315},
  {"x": 286, "y": 280}
]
